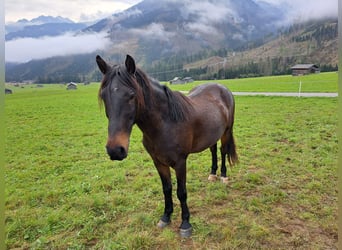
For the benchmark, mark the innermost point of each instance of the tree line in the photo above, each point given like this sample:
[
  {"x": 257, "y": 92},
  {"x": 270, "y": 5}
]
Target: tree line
[{"x": 263, "y": 67}]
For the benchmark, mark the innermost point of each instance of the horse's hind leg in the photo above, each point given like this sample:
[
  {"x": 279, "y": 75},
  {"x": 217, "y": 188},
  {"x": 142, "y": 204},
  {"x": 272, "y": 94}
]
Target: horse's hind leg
[
  {"x": 213, "y": 150},
  {"x": 224, "y": 151},
  {"x": 228, "y": 149}
]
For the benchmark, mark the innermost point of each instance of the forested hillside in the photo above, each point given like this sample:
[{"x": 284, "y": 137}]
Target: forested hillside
[{"x": 311, "y": 42}]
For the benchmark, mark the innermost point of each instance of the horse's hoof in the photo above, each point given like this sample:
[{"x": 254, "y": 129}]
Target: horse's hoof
[
  {"x": 224, "y": 180},
  {"x": 186, "y": 233},
  {"x": 162, "y": 224},
  {"x": 212, "y": 177}
]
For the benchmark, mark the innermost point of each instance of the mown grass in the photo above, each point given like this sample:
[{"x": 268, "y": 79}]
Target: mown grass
[{"x": 62, "y": 191}]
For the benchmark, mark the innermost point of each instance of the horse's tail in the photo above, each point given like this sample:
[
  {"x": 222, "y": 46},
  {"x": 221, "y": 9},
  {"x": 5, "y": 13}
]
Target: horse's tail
[
  {"x": 231, "y": 149},
  {"x": 228, "y": 138}
]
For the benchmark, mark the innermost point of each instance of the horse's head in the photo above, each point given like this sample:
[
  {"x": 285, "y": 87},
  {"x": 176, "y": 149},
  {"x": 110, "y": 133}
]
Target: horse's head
[{"x": 119, "y": 94}]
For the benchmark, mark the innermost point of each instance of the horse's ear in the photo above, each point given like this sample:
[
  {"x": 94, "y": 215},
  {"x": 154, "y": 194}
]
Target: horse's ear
[
  {"x": 130, "y": 64},
  {"x": 103, "y": 66}
]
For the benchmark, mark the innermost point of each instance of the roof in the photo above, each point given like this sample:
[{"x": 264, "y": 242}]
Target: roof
[
  {"x": 176, "y": 78},
  {"x": 304, "y": 66}
]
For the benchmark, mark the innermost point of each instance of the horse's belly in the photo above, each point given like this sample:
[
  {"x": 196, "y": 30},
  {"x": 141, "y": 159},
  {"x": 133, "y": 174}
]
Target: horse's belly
[
  {"x": 206, "y": 138},
  {"x": 210, "y": 125}
]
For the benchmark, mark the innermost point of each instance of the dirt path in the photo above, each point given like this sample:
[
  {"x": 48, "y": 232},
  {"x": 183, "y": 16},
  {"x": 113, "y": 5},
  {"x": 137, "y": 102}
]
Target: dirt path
[{"x": 286, "y": 94}]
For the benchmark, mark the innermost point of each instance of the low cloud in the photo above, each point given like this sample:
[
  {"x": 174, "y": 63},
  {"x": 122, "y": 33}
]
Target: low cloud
[
  {"x": 155, "y": 31},
  {"x": 207, "y": 14},
  {"x": 302, "y": 10},
  {"x": 26, "y": 49},
  {"x": 202, "y": 28},
  {"x": 124, "y": 15}
]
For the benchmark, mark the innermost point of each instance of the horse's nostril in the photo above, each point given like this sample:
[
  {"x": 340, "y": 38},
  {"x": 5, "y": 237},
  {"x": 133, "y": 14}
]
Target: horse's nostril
[
  {"x": 121, "y": 151},
  {"x": 117, "y": 153}
]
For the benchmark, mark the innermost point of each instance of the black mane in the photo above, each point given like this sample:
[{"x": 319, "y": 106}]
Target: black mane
[
  {"x": 146, "y": 89},
  {"x": 179, "y": 106}
]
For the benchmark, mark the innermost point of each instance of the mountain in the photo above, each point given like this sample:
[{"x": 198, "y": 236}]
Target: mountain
[
  {"x": 311, "y": 42},
  {"x": 74, "y": 68},
  {"x": 175, "y": 36},
  {"x": 40, "y": 27},
  {"x": 315, "y": 41},
  {"x": 49, "y": 19},
  {"x": 48, "y": 29},
  {"x": 20, "y": 24},
  {"x": 158, "y": 29}
]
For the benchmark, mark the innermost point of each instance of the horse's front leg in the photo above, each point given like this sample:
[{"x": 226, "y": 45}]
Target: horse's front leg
[
  {"x": 185, "y": 227},
  {"x": 165, "y": 176}
]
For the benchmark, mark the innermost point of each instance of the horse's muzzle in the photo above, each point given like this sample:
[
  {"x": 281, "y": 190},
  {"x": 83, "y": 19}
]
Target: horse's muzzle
[{"x": 117, "y": 153}]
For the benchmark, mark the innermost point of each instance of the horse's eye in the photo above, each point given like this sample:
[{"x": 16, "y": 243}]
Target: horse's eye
[{"x": 131, "y": 98}]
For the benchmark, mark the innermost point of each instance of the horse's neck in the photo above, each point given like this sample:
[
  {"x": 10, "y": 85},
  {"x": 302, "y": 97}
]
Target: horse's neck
[{"x": 151, "y": 118}]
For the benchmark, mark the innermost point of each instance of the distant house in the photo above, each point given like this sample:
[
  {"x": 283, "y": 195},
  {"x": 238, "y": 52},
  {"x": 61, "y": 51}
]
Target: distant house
[
  {"x": 304, "y": 69},
  {"x": 71, "y": 86},
  {"x": 188, "y": 79},
  {"x": 8, "y": 91},
  {"x": 178, "y": 80}
]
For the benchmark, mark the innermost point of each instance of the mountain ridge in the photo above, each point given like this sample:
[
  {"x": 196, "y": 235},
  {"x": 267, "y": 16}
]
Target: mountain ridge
[
  {"x": 40, "y": 27},
  {"x": 168, "y": 27}
]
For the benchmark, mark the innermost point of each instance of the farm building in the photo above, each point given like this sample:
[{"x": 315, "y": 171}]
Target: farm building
[
  {"x": 304, "y": 69},
  {"x": 71, "y": 86},
  {"x": 8, "y": 91},
  {"x": 178, "y": 80},
  {"x": 188, "y": 79}
]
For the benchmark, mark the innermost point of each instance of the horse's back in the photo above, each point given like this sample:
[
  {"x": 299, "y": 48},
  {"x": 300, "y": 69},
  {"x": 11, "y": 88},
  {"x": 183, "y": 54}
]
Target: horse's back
[{"x": 212, "y": 91}]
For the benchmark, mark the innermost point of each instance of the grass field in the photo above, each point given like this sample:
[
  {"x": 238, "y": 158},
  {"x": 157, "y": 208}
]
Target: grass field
[
  {"x": 324, "y": 82},
  {"x": 62, "y": 191}
]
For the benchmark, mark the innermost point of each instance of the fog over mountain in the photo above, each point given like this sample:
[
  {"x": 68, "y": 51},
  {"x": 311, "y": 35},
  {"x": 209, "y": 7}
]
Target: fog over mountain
[
  {"x": 160, "y": 28},
  {"x": 302, "y": 10},
  {"x": 151, "y": 30},
  {"x": 67, "y": 44}
]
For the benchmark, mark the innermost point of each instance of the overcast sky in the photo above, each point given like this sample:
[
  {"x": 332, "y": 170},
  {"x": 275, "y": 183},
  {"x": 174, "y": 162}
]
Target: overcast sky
[
  {"x": 76, "y": 10},
  {"x": 89, "y": 10}
]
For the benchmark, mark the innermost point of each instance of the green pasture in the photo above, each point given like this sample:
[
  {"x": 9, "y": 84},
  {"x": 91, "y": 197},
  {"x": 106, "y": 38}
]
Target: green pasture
[
  {"x": 323, "y": 82},
  {"x": 63, "y": 192}
]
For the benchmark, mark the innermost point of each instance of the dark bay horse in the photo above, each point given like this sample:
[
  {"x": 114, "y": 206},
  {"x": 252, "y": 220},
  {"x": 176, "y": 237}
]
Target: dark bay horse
[{"x": 173, "y": 126}]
